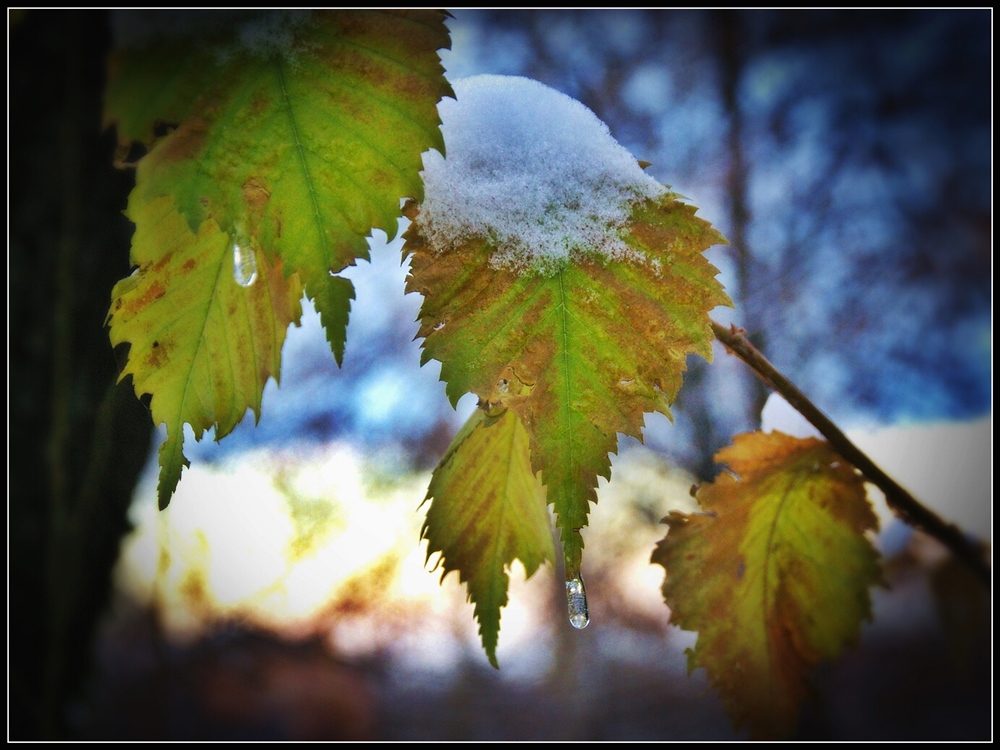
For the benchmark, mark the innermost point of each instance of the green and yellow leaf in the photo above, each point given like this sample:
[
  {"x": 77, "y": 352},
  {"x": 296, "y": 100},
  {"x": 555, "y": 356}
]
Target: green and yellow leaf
[
  {"x": 487, "y": 510},
  {"x": 295, "y": 130},
  {"x": 202, "y": 344},
  {"x": 774, "y": 575},
  {"x": 579, "y": 353},
  {"x": 292, "y": 133}
]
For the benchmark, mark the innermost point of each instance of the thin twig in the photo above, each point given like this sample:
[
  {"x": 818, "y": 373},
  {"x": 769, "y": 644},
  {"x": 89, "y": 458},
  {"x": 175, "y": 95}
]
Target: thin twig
[{"x": 902, "y": 502}]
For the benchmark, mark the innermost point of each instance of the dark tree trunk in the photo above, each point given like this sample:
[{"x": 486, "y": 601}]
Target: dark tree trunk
[{"x": 77, "y": 441}]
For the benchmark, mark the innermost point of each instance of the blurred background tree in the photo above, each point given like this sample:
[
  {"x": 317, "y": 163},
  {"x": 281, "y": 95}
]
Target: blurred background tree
[{"x": 76, "y": 441}]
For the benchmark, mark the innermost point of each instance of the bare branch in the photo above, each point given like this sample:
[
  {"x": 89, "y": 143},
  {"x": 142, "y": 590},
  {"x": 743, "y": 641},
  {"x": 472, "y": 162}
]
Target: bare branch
[{"x": 902, "y": 502}]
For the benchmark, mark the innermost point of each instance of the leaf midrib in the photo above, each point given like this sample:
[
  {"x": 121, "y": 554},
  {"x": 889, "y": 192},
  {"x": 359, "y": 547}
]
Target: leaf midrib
[
  {"x": 766, "y": 593},
  {"x": 301, "y": 158}
]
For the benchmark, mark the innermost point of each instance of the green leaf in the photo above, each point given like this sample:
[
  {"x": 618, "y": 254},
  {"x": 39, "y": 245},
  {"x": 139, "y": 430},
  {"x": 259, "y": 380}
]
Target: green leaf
[
  {"x": 579, "y": 353},
  {"x": 202, "y": 344},
  {"x": 487, "y": 510},
  {"x": 774, "y": 576},
  {"x": 298, "y": 131}
]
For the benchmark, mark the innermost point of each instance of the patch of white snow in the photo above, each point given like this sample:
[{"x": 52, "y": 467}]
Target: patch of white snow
[{"x": 532, "y": 170}]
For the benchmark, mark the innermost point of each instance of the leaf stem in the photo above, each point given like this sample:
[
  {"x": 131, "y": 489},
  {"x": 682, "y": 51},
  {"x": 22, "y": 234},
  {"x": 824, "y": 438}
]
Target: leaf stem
[{"x": 908, "y": 508}]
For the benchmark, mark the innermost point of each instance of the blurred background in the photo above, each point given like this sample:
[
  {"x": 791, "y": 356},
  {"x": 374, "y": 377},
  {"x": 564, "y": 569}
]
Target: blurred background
[{"x": 284, "y": 594}]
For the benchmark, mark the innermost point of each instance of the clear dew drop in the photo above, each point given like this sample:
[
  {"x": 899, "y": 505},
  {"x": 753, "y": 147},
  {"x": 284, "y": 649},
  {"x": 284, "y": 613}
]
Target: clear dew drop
[
  {"x": 576, "y": 600},
  {"x": 244, "y": 263}
]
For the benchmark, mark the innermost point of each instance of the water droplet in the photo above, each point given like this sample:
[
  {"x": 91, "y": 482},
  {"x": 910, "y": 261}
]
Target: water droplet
[
  {"x": 244, "y": 263},
  {"x": 576, "y": 600}
]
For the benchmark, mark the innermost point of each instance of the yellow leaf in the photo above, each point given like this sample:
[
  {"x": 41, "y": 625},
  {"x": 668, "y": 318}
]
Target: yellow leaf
[
  {"x": 488, "y": 509},
  {"x": 201, "y": 343},
  {"x": 774, "y": 575}
]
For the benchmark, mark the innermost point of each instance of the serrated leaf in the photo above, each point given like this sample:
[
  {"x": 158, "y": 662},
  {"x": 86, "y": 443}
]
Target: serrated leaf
[
  {"x": 297, "y": 130},
  {"x": 579, "y": 353},
  {"x": 487, "y": 510},
  {"x": 202, "y": 344},
  {"x": 774, "y": 576}
]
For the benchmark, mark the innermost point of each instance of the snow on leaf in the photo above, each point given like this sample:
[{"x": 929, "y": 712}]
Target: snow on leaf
[
  {"x": 773, "y": 576},
  {"x": 488, "y": 509},
  {"x": 300, "y": 130},
  {"x": 541, "y": 194},
  {"x": 588, "y": 340},
  {"x": 201, "y": 343}
]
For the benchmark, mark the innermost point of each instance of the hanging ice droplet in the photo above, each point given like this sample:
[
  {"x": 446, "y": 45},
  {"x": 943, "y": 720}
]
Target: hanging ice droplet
[
  {"x": 576, "y": 600},
  {"x": 244, "y": 263}
]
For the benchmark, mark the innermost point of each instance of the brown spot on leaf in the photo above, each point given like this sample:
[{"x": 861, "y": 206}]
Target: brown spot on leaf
[
  {"x": 152, "y": 293},
  {"x": 256, "y": 194},
  {"x": 157, "y": 356},
  {"x": 184, "y": 143},
  {"x": 411, "y": 209},
  {"x": 260, "y": 104}
]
